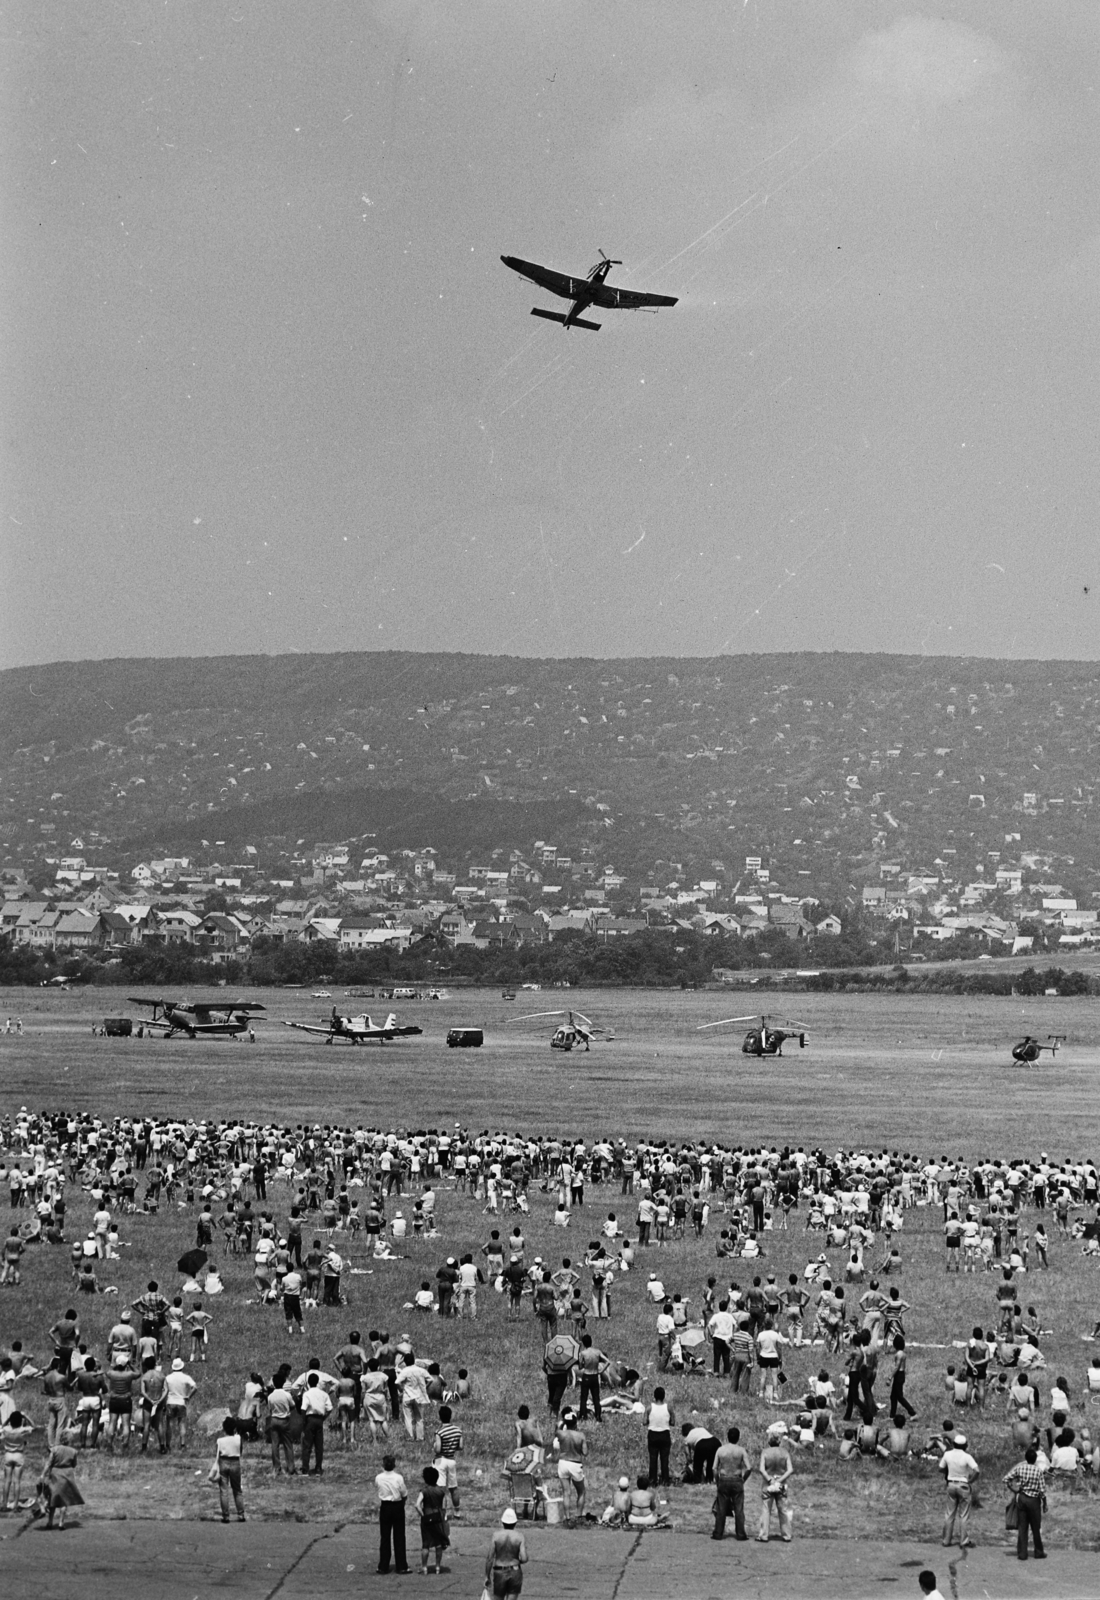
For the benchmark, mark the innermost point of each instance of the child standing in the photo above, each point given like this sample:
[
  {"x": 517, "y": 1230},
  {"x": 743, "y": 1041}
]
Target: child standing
[{"x": 198, "y": 1322}]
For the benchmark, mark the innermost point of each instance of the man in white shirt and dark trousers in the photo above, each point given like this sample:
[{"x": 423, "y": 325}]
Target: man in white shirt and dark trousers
[
  {"x": 392, "y": 1495},
  {"x": 316, "y": 1406},
  {"x": 960, "y": 1469}
]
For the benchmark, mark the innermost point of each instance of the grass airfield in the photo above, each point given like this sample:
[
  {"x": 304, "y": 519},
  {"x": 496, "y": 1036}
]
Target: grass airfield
[{"x": 918, "y": 1073}]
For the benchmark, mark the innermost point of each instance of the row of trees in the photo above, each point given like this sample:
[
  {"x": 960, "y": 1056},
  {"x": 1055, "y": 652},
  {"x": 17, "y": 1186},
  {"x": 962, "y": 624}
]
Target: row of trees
[{"x": 649, "y": 958}]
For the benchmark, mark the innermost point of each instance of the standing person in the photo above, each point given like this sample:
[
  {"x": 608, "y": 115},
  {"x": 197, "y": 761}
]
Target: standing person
[
  {"x": 660, "y": 1418},
  {"x": 742, "y": 1350},
  {"x": 591, "y": 1367},
  {"x": 180, "y": 1386},
  {"x": 14, "y": 1433},
  {"x": 720, "y": 1328},
  {"x": 960, "y": 1470},
  {"x": 432, "y": 1506},
  {"x": 316, "y": 1406},
  {"x": 120, "y": 1404},
  {"x": 59, "y": 1482},
  {"x": 769, "y": 1348},
  {"x": 412, "y": 1382},
  {"x": 392, "y": 1495},
  {"x": 446, "y": 1445},
  {"x": 280, "y": 1403},
  {"x": 776, "y": 1468},
  {"x": 1028, "y": 1482},
  {"x": 505, "y": 1560},
  {"x": 732, "y": 1469},
  {"x": 558, "y": 1366},
  {"x": 700, "y": 1449},
  {"x": 571, "y": 1447},
  {"x": 54, "y": 1385},
  {"x": 898, "y": 1402},
  {"x": 227, "y": 1460}
]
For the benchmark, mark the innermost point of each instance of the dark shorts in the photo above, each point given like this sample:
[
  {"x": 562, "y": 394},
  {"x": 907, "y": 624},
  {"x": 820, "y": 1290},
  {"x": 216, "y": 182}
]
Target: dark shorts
[{"x": 120, "y": 1408}]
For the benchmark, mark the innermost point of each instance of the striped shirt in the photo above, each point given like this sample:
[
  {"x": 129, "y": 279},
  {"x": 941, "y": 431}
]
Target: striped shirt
[{"x": 448, "y": 1441}]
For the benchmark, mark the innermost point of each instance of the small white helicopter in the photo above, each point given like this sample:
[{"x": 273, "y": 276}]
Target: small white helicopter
[{"x": 577, "y": 1030}]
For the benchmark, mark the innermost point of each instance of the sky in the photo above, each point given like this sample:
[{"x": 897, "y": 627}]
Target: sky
[{"x": 267, "y": 386}]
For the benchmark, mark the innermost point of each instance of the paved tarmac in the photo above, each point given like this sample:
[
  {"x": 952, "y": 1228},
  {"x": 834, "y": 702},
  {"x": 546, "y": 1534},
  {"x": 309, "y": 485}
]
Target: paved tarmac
[{"x": 301, "y": 1561}]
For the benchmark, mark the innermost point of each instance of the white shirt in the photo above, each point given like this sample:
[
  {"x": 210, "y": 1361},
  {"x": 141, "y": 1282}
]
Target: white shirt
[
  {"x": 959, "y": 1465},
  {"x": 315, "y": 1402}
]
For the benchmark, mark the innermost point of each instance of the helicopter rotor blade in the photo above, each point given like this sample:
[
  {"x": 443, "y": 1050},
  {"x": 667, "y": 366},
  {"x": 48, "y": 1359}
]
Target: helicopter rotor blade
[
  {"x": 723, "y": 1021},
  {"x": 529, "y": 1016}
]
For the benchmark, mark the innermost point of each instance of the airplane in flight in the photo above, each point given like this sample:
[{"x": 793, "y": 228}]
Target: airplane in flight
[
  {"x": 763, "y": 1039},
  {"x": 223, "y": 1017},
  {"x": 357, "y": 1030},
  {"x": 594, "y": 290}
]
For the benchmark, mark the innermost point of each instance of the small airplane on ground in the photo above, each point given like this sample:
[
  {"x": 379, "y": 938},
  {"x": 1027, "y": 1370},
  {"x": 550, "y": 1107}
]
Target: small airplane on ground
[
  {"x": 1029, "y": 1050},
  {"x": 594, "y": 290},
  {"x": 357, "y": 1030},
  {"x": 578, "y": 1030},
  {"x": 763, "y": 1040},
  {"x": 229, "y": 1017}
]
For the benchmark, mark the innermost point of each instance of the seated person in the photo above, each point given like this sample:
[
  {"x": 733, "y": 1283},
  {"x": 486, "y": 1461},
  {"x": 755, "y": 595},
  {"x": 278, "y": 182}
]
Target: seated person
[
  {"x": 1031, "y": 1358},
  {"x": 626, "y": 1387},
  {"x": 823, "y": 1420},
  {"x": 897, "y": 1438},
  {"x": 1024, "y": 1431},
  {"x": 849, "y": 1445},
  {"x": 803, "y": 1434},
  {"x": 1065, "y": 1459},
  {"x": 1022, "y": 1393},
  {"x": 617, "y": 1512},
  {"x": 643, "y": 1505},
  {"x": 869, "y": 1442}
]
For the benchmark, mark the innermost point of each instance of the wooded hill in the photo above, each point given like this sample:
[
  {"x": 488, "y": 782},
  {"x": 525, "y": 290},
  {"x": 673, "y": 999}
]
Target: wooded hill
[{"x": 824, "y": 764}]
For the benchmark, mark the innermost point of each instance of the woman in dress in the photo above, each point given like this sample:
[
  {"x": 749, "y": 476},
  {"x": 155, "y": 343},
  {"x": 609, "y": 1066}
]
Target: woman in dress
[{"x": 59, "y": 1483}]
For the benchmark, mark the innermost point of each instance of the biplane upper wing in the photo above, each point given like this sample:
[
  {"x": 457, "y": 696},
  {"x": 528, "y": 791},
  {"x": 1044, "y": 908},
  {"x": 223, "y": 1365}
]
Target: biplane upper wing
[
  {"x": 630, "y": 299},
  {"x": 144, "y": 1000},
  {"x": 227, "y": 1006},
  {"x": 557, "y": 282}
]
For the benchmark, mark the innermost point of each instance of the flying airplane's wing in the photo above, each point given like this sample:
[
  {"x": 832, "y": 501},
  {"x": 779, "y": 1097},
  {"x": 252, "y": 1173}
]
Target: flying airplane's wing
[
  {"x": 629, "y": 299},
  {"x": 547, "y": 278}
]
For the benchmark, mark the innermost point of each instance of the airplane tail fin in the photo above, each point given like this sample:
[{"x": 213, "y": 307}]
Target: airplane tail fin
[
  {"x": 557, "y": 316},
  {"x": 391, "y": 1020}
]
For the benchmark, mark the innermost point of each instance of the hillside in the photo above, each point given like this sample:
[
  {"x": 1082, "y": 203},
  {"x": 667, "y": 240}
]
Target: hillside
[{"x": 822, "y": 763}]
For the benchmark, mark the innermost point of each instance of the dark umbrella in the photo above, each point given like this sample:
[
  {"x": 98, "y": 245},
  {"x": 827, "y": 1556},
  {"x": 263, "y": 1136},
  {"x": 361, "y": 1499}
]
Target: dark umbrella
[{"x": 192, "y": 1262}]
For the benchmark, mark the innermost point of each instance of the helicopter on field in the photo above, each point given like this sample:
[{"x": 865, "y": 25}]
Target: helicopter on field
[
  {"x": 763, "y": 1039},
  {"x": 577, "y": 1030},
  {"x": 1029, "y": 1051}
]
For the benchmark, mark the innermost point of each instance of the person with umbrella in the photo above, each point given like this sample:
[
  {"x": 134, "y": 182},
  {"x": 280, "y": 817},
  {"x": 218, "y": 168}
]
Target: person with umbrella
[{"x": 559, "y": 1357}]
